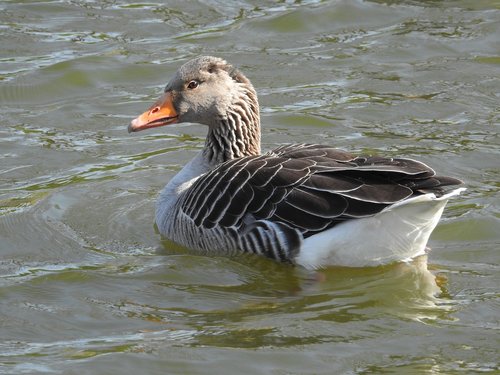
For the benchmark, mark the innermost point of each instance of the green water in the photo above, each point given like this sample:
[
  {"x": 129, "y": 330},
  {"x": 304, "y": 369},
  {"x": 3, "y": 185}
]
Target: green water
[{"x": 87, "y": 286}]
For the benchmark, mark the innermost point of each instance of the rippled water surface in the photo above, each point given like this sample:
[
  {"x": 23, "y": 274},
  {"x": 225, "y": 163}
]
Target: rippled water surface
[{"x": 88, "y": 287}]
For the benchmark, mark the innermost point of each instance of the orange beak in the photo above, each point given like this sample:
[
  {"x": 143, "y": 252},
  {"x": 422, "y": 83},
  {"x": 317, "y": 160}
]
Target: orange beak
[{"x": 159, "y": 114}]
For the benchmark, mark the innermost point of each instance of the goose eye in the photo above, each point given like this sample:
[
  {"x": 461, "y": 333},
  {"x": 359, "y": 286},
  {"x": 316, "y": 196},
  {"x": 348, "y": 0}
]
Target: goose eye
[{"x": 193, "y": 84}]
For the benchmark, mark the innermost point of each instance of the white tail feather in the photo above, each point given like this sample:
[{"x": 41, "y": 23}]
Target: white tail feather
[{"x": 398, "y": 233}]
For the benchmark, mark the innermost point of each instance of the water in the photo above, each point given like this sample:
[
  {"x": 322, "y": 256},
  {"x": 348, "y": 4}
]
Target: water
[{"x": 88, "y": 287}]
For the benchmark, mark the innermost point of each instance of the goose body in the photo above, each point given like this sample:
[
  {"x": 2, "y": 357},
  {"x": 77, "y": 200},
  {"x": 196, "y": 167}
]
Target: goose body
[{"x": 308, "y": 204}]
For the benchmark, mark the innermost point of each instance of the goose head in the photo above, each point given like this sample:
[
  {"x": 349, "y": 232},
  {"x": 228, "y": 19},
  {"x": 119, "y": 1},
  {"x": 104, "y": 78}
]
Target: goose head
[{"x": 209, "y": 91}]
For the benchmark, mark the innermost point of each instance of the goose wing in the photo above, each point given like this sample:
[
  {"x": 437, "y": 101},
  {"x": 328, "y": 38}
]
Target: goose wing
[{"x": 308, "y": 187}]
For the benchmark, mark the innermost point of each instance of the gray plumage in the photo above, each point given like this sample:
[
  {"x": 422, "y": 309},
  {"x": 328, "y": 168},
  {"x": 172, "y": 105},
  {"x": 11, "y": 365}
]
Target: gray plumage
[{"x": 231, "y": 198}]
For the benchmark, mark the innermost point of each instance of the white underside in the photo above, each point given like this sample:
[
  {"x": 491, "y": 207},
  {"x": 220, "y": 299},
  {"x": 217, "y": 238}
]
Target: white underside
[{"x": 398, "y": 233}]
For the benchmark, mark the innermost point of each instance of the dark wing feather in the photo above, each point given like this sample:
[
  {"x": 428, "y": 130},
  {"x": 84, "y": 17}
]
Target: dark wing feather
[
  {"x": 318, "y": 203},
  {"x": 305, "y": 188}
]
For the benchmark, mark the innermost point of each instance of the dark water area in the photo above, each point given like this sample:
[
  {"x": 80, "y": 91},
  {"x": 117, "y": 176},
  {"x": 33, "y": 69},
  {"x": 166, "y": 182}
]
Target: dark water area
[{"x": 87, "y": 286}]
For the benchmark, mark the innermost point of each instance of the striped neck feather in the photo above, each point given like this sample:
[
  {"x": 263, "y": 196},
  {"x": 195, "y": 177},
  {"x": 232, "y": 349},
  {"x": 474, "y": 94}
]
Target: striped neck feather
[{"x": 237, "y": 133}]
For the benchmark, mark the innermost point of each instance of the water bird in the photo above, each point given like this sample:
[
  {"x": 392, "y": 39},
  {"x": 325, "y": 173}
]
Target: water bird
[{"x": 310, "y": 205}]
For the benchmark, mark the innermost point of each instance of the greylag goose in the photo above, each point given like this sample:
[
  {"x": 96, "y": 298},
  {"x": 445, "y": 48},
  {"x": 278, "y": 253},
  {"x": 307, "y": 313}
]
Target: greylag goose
[{"x": 306, "y": 204}]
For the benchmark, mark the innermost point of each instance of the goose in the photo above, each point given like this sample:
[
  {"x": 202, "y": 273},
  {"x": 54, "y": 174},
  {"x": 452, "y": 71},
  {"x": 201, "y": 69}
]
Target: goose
[{"x": 309, "y": 205}]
